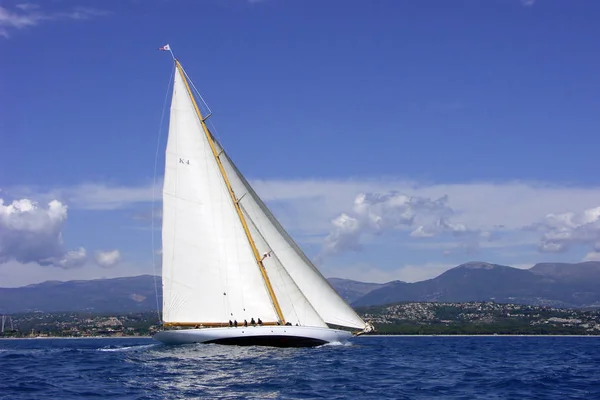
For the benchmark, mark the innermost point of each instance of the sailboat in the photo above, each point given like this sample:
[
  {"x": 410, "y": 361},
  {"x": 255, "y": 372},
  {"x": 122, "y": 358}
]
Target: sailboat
[{"x": 231, "y": 274}]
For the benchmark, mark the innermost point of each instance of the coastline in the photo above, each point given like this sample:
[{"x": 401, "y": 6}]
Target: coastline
[
  {"x": 361, "y": 336},
  {"x": 482, "y": 335},
  {"x": 75, "y": 337}
]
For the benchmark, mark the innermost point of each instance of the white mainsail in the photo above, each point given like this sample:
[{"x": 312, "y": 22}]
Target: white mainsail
[{"x": 209, "y": 271}]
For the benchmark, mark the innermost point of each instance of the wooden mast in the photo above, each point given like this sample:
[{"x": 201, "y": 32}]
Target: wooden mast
[{"x": 235, "y": 201}]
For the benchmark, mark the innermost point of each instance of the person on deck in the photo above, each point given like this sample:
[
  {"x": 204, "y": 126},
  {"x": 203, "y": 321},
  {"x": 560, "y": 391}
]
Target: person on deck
[
  {"x": 252, "y": 321},
  {"x": 259, "y": 321},
  {"x": 245, "y": 323}
]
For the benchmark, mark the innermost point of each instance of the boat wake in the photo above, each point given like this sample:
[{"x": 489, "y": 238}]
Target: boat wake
[
  {"x": 345, "y": 344},
  {"x": 129, "y": 348}
]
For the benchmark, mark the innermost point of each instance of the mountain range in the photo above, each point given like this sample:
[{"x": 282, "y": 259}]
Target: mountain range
[
  {"x": 118, "y": 295},
  {"x": 553, "y": 284}
]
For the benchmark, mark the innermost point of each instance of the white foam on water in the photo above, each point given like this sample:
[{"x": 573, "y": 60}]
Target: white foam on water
[
  {"x": 128, "y": 348},
  {"x": 337, "y": 344}
]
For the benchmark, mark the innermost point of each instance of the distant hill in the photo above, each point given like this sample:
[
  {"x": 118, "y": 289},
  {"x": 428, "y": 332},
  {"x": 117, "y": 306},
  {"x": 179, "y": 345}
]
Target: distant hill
[
  {"x": 353, "y": 290},
  {"x": 555, "y": 284},
  {"x": 561, "y": 285},
  {"x": 580, "y": 273},
  {"x": 131, "y": 294}
]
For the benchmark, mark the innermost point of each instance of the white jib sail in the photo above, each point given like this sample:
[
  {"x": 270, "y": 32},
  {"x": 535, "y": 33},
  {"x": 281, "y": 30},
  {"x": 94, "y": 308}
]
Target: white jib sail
[
  {"x": 314, "y": 287},
  {"x": 209, "y": 272},
  {"x": 294, "y": 305}
]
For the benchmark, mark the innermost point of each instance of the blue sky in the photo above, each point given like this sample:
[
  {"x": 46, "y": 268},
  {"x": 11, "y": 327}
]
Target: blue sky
[{"x": 394, "y": 139}]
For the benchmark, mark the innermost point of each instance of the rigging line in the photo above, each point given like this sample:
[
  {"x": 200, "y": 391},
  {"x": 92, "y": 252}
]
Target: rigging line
[
  {"x": 197, "y": 92},
  {"x": 162, "y": 117},
  {"x": 213, "y": 127}
]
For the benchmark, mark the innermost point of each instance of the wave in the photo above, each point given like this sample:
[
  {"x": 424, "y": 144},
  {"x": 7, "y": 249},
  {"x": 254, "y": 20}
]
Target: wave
[{"x": 129, "y": 348}]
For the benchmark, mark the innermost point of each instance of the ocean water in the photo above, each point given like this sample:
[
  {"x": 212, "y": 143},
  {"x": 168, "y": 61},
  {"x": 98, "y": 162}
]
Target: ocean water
[{"x": 365, "y": 368}]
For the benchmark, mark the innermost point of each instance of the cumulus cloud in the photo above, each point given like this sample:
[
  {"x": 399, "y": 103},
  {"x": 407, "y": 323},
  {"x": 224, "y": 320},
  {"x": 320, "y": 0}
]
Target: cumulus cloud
[
  {"x": 592, "y": 256},
  {"x": 71, "y": 259},
  {"x": 26, "y": 15},
  {"x": 481, "y": 205},
  {"x": 378, "y": 213},
  {"x": 474, "y": 215},
  {"x": 29, "y": 233},
  {"x": 108, "y": 259},
  {"x": 564, "y": 230},
  {"x": 309, "y": 205}
]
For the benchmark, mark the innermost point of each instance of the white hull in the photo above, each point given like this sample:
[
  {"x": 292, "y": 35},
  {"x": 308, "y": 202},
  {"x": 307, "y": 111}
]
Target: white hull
[{"x": 279, "y": 336}]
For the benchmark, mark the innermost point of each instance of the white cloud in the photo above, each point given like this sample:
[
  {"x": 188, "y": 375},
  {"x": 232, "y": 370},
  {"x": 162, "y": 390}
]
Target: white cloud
[
  {"x": 108, "y": 259},
  {"x": 592, "y": 256},
  {"x": 71, "y": 259},
  {"x": 528, "y": 3},
  {"x": 29, "y": 233},
  {"x": 552, "y": 247},
  {"x": 468, "y": 216},
  {"x": 379, "y": 213},
  {"x": 27, "y": 15},
  {"x": 310, "y": 205},
  {"x": 478, "y": 205},
  {"x": 561, "y": 231},
  {"x": 481, "y": 212}
]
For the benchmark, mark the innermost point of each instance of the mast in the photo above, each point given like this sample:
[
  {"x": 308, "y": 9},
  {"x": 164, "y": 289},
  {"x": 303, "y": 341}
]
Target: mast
[{"x": 235, "y": 201}]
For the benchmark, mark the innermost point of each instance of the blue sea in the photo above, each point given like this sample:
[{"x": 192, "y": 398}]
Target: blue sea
[{"x": 392, "y": 367}]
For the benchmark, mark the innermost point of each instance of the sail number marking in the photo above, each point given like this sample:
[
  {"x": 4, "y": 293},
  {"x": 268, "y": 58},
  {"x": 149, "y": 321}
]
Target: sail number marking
[{"x": 184, "y": 161}]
